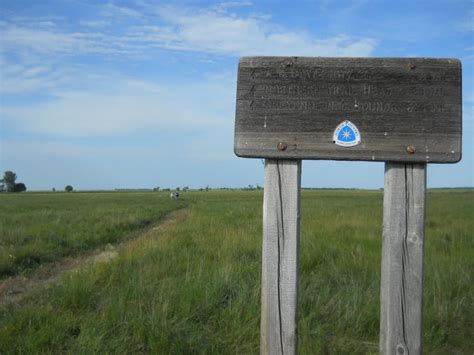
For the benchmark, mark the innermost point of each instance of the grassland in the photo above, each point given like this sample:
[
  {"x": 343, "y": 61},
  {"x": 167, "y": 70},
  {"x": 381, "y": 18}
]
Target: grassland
[
  {"x": 40, "y": 227},
  {"x": 195, "y": 288}
]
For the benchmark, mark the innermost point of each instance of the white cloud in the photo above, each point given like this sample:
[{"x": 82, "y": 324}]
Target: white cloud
[
  {"x": 29, "y": 76},
  {"x": 34, "y": 50},
  {"x": 33, "y": 60},
  {"x": 228, "y": 34},
  {"x": 95, "y": 24},
  {"x": 213, "y": 31},
  {"x": 224, "y": 6},
  {"x": 112, "y": 10},
  {"x": 52, "y": 41},
  {"x": 130, "y": 108}
]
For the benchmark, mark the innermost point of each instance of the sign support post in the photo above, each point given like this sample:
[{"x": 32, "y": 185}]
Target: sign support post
[
  {"x": 281, "y": 232},
  {"x": 401, "y": 293}
]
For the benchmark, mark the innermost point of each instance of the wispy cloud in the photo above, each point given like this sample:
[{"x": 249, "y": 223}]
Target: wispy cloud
[
  {"x": 224, "y": 7},
  {"x": 212, "y": 30},
  {"x": 130, "y": 108},
  {"x": 31, "y": 76},
  {"x": 45, "y": 55},
  {"x": 112, "y": 10},
  {"x": 50, "y": 41},
  {"x": 95, "y": 23},
  {"x": 33, "y": 49},
  {"x": 227, "y": 34}
]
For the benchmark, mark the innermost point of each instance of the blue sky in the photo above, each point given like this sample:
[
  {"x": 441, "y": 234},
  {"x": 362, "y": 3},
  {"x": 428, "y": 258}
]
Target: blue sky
[{"x": 140, "y": 93}]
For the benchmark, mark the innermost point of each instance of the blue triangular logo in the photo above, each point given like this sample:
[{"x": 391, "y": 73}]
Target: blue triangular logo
[{"x": 346, "y": 134}]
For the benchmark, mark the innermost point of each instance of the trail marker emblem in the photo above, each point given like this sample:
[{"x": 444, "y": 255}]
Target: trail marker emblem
[{"x": 346, "y": 135}]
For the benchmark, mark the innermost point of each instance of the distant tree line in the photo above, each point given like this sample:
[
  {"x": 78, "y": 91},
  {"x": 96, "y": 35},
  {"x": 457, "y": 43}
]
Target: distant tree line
[{"x": 8, "y": 183}]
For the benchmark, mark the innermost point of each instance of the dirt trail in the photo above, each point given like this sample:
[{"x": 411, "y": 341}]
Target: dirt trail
[{"x": 13, "y": 289}]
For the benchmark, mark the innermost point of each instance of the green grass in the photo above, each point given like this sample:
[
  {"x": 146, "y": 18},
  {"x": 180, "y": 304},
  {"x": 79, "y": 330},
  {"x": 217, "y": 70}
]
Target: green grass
[
  {"x": 40, "y": 227},
  {"x": 196, "y": 288}
]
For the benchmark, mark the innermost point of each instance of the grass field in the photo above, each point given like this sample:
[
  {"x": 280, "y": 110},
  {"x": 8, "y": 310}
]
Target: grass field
[
  {"x": 195, "y": 288},
  {"x": 39, "y": 227}
]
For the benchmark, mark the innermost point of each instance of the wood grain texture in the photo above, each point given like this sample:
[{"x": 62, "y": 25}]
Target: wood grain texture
[
  {"x": 395, "y": 103},
  {"x": 281, "y": 215},
  {"x": 402, "y": 259}
]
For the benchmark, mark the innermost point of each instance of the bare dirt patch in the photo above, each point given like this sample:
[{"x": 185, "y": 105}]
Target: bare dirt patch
[{"x": 13, "y": 289}]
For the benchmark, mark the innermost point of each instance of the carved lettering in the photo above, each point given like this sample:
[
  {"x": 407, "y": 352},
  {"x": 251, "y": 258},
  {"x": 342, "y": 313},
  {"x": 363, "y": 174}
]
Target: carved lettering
[
  {"x": 338, "y": 106},
  {"x": 430, "y": 108},
  {"x": 310, "y": 90},
  {"x": 341, "y": 90},
  {"x": 427, "y": 91},
  {"x": 373, "y": 90},
  {"x": 313, "y": 74}
]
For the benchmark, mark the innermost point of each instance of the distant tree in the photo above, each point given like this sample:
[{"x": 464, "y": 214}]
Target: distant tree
[
  {"x": 9, "y": 179},
  {"x": 68, "y": 188},
  {"x": 156, "y": 188},
  {"x": 186, "y": 188},
  {"x": 54, "y": 189},
  {"x": 177, "y": 189},
  {"x": 20, "y": 187},
  {"x": 207, "y": 188},
  {"x": 2, "y": 187}
]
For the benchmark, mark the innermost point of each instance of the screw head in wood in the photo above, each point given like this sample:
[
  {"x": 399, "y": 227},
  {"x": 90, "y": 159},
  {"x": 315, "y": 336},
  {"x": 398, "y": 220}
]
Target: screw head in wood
[
  {"x": 411, "y": 149},
  {"x": 282, "y": 146}
]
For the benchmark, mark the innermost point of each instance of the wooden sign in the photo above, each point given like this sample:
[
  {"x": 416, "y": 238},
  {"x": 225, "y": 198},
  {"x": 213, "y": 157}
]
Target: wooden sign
[
  {"x": 374, "y": 109},
  {"x": 401, "y": 111}
]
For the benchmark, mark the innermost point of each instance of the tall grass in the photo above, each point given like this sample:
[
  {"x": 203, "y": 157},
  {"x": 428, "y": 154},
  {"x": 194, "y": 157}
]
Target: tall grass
[
  {"x": 196, "y": 288},
  {"x": 39, "y": 227}
]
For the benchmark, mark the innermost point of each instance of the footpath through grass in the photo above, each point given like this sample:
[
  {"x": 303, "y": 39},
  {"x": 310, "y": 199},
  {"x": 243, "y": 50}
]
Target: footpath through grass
[
  {"x": 196, "y": 288},
  {"x": 40, "y": 227}
]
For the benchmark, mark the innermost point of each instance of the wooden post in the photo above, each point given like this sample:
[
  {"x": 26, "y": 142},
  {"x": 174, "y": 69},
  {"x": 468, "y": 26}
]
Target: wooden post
[
  {"x": 281, "y": 215},
  {"x": 401, "y": 301}
]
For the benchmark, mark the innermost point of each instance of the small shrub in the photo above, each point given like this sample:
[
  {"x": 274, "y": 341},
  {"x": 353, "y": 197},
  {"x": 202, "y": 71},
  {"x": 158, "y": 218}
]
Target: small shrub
[{"x": 20, "y": 187}]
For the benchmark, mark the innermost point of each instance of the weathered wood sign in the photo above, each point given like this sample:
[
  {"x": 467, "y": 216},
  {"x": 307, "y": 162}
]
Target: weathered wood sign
[
  {"x": 406, "y": 112},
  {"x": 374, "y": 109}
]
